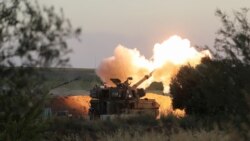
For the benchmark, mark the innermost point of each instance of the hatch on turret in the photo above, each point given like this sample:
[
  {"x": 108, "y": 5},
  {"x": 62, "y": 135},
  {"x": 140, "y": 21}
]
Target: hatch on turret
[{"x": 116, "y": 81}]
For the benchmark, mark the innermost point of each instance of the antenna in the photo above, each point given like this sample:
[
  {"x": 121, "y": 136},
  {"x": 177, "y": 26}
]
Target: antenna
[
  {"x": 123, "y": 73},
  {"x": 94, "y": 80}
]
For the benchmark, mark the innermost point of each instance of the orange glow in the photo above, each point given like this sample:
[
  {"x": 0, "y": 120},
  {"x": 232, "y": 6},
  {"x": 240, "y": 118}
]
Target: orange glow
[
  {"x": 165, "y": 105},
  {"x": 170, "y": 55},
  {"x": 79, "y": 103},
  {"x": 177, "y": 51},
  {"x": 76, "y": 105}
]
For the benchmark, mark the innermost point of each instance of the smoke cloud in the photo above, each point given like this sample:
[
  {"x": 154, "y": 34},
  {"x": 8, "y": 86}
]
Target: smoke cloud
[{"x": 166, "y": 61}]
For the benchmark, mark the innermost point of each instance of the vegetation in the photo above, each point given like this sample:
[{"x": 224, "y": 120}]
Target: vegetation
[
  {"x": 166, "y": 128},
  {"x": 212, "y": 88},
  {"x": 34, "y": 35},
  {"x": 84, "y": 78},
  {"x": 233, "y": 39},
  {"x": 155, "y": 87},
  {"x": 190, "y": 135},
  {"x": 30, "y": 36}
]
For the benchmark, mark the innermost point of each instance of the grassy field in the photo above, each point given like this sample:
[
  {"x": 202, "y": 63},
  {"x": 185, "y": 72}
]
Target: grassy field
[{"x": 146, "y": 128}]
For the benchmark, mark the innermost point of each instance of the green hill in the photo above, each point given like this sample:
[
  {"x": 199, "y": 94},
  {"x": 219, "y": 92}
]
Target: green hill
[{"x": 54, "y": 77}]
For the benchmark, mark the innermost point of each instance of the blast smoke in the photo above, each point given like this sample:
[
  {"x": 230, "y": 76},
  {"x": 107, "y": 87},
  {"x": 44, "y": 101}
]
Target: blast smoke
[
  {"x": 166, "y": 61},
  {"x": 125, "y": 63}
]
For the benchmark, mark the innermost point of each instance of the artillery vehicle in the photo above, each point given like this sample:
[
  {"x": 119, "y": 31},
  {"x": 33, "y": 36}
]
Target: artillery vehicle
[{"x": 122, "y": 100}]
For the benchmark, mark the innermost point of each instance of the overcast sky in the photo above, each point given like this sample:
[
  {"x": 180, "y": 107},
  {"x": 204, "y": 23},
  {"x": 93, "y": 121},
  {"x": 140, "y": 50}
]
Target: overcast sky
[{"x": 139, "y": 24}]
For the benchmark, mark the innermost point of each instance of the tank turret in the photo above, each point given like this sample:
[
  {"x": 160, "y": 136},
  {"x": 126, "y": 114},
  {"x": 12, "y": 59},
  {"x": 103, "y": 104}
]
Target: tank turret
[{"x": 122, "y": 90}]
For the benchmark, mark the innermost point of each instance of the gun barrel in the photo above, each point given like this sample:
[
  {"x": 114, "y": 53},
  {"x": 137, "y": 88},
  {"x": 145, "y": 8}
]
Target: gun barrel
[
  {"x": 65, "y": 83},
  {"x": 142, "y": 80}
]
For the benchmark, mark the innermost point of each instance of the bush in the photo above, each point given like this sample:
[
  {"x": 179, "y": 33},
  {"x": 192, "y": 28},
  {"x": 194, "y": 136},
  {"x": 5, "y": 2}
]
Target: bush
[{"x": 212, "y": 89}]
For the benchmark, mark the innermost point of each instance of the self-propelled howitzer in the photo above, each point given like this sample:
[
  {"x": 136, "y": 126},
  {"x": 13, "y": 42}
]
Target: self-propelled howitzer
[{"x": 121, "y": 100}]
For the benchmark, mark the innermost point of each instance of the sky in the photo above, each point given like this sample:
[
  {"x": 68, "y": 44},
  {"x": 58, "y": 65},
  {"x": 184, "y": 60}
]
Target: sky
[{"x": 139, "y": 24}]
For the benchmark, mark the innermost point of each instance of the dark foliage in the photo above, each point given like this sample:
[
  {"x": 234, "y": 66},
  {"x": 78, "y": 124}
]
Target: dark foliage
[
  {"x": 59, "y": 127},
  {"x": 30, "y": 36},
  {"x": 155, "y": 86},
  {"x": 233, "y": 39},
  {"x": 213, "y": 88}
]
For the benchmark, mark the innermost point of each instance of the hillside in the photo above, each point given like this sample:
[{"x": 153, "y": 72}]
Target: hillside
[{"x": 61, "y": 78}]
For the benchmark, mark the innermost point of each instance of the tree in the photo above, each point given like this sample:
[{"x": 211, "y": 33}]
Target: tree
[
  {"x": 33, "y": 35},
  {"x": 30, "y": 36},
  {"x": 211, "y": 88},
  {"x": 233, "y": 39}
]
